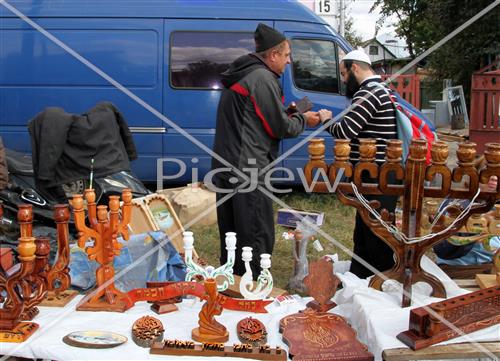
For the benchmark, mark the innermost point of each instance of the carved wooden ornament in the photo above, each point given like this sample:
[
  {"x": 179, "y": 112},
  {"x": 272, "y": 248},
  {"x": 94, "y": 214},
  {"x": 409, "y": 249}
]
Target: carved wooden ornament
[
  {"x": 147, "y": 330},
  {"x": 251, "y": 331}
]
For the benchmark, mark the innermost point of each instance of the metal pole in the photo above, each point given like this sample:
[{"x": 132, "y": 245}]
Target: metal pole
[{"x": 342, "y": 18}]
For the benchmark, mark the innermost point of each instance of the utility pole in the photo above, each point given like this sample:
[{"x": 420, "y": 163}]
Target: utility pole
[{"x": 342, "y": 18}]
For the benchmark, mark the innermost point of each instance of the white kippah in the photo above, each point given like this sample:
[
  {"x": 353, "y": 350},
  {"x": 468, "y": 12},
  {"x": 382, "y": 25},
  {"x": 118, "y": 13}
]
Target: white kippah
[{"x": 358, "y": 55}]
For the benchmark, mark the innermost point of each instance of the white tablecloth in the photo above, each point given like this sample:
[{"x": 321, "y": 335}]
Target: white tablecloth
[
  {"x": 378, "y": 317},
  {"x": 55, "y": 323}
]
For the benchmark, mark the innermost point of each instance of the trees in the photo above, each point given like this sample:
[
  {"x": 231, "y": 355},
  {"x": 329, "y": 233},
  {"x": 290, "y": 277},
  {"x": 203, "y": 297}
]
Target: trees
[{"x": 422, "y": 23}]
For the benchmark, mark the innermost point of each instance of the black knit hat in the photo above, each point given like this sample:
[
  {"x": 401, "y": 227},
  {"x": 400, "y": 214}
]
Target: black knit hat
[{"x": 266, "y": 38}]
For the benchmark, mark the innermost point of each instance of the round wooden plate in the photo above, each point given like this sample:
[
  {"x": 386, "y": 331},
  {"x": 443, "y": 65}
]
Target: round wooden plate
[{"x": 94, "y": 339}]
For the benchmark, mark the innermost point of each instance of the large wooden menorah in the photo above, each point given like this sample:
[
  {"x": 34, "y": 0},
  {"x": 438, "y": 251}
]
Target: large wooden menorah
[
  {"x": 412, "y": 186},
  {"x": 103, "y": 230}
]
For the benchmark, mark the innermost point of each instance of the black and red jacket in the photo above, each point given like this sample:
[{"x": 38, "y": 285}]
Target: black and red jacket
[{"x": 251, "y": 117}]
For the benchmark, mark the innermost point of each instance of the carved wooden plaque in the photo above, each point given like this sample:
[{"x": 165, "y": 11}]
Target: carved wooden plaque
[
  {"x": 467, "y": 313},
  {"x": 316, "y": 336},
  {"x": 321, "y": 284}
]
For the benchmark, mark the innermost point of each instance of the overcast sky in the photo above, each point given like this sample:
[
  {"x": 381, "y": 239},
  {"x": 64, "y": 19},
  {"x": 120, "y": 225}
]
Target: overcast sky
[{"x": 363, "y": 20}]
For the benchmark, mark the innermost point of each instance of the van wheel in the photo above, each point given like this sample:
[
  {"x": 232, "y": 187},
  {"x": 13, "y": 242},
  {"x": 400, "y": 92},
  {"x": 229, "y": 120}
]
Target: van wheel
[{"x": 76, "y": 187}]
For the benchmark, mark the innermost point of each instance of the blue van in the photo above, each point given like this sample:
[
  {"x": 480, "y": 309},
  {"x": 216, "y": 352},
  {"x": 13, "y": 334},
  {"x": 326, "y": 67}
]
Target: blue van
[{"x": 167, "y": 55}]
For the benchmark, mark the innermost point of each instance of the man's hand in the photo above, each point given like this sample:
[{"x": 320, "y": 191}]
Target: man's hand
[
  {"x": 325, "y": 115},
  {"x": 312, "y": 118}
]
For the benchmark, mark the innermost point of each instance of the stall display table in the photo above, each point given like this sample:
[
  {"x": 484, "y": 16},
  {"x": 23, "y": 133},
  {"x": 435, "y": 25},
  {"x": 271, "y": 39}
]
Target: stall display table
[{"x": 376, "y": 316}]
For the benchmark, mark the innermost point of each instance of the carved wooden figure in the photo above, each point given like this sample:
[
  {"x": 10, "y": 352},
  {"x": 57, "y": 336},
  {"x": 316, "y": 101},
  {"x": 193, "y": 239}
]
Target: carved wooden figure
[
  {"x": 13, "y": 288},
  {"x": 407, "y": 244},
  {"x": 210, "y": 330},
  {"x": 147, "y": 330},
  {"x": 103, "y": 230}
]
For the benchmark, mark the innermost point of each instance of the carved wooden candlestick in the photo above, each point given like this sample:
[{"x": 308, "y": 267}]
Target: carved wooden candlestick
[
  {"x": 210, "y": 330},
  {"x": 58, "y": 278},
  {"x": 103, "y": 230},
  {"x": 406, "y": 244},
  {"x": 33, "y": 287},
  {"x": 12, "y": 287}
]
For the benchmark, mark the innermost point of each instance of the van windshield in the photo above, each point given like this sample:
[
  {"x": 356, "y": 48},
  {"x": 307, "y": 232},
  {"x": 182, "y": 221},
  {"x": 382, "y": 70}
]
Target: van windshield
[
  {"x": 315, "y": 65},
  {"x": 198, "y": 58}
]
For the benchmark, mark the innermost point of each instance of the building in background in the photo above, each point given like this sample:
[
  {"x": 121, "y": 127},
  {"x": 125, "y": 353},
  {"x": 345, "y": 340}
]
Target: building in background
[{"x": 388, "y": 54}]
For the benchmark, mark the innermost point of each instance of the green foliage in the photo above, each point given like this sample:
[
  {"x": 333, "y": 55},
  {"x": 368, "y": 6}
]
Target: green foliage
[
  {"x": 423, "y": 23},
  {"x": 351, "y": 35}
]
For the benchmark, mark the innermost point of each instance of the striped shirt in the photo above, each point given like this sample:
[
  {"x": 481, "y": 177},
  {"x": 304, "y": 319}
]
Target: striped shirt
[{"x": 371, "y": 116}]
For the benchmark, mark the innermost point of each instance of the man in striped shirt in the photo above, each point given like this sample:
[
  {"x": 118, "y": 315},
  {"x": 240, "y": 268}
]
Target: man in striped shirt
[{"x": 372, "y": 116}]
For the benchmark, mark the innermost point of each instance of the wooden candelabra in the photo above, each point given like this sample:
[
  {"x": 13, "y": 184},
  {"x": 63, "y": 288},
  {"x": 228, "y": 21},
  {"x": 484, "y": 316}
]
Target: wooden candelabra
[
  {"x": 14, "y": 286},
  {"x": 103, "y": 230},
  {"x": 412, "y": 177}
]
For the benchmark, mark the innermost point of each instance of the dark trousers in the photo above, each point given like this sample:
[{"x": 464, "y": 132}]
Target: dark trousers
[
  {"x": 368, "y": 246},
  {"x": 251, "y": 216}
]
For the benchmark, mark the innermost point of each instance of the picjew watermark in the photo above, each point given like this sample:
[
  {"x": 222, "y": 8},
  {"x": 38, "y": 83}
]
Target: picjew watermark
[{"x": 254, "y": 177}]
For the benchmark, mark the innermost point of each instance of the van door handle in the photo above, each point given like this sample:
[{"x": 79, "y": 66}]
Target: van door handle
[{"x": 148, "y": 129}]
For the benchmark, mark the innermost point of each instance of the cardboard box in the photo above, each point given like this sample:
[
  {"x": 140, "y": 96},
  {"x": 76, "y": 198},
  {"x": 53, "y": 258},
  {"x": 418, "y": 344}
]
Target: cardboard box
[{"x": 290, "y": 217}]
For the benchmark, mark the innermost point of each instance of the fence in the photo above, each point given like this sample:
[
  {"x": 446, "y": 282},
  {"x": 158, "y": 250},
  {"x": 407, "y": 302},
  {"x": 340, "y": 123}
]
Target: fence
[
  {"x": 485, "y": 107},
  {"x": 408, "y": 86}
]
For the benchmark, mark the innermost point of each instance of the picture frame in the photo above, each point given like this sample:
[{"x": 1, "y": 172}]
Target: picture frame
[
  {"x": 165, "y": 219},
  {"x": 455, "y": 98}
]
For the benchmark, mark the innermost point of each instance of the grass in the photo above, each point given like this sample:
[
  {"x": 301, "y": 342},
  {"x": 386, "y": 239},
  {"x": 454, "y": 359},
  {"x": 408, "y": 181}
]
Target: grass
[{"x": 338, "y": 223}]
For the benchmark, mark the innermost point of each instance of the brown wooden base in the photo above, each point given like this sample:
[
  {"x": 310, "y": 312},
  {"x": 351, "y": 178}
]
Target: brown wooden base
[
  {"x": 316, "y": 306},
  {"x": 60, "y": 299},
  {"x": 161, "y": 308},
  {"x": 243, "y": 351},
  {"x": 486, "y": 281},
  {"x": 204, "y": 337},
  {"x": 20, "y": 333},
  {"x": 416, "y": 342},
  {"x": 119, "y": 306}
]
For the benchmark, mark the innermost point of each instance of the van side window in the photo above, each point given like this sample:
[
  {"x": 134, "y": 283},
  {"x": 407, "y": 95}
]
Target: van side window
[
  {"x": 198, "y": 58},
  {"x": 314, "y": 64}
]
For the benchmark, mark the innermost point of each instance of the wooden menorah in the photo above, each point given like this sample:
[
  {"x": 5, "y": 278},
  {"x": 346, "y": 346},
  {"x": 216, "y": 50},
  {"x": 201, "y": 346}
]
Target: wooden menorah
[
  {"x": 103, "y": 230},
  {"x": 412, "y": 184}
]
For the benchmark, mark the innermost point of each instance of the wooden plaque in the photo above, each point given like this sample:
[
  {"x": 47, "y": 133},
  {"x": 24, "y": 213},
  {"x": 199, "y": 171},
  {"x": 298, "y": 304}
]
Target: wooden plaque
[
  {"x": 189, "y": 348},
  {"x": 20, "y": 333},
  {"x": 313, "y": 335},
  {"x": 467, "y": 313}
]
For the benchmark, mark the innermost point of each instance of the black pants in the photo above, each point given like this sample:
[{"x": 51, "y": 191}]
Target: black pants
[
  {"x": 367, "y": 245},
  {"x": 251, "y": 216}
]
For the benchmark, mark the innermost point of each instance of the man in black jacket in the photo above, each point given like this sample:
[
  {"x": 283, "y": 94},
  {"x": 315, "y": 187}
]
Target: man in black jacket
[{"x": 251, "y": 121}]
